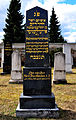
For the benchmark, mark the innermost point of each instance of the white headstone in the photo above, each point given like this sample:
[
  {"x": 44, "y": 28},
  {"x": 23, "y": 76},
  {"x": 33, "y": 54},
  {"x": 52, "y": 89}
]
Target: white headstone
[
  {"x": 16, "y": 73},
  {"x": 68, "y": 57},
  {"x": 59, "y": 75}
]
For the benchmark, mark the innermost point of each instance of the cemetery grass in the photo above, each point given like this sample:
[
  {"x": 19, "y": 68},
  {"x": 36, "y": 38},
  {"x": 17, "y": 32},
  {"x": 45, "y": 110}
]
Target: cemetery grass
[{"x": 65, "y": 96}]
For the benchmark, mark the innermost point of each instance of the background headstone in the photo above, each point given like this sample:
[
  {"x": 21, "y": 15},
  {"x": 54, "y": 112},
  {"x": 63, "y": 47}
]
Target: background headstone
[
  {"x": 59, "y": 75},
  {"x": 7, "y": 57},
  {"x": 2, "y": 57},
  {"x": 68, "y": 57},
  {"x": 16, "y": 73}
]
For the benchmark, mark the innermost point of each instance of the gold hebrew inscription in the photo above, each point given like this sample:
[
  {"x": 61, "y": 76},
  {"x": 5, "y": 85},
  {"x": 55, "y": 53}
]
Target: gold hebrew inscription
[{"x": 36, "y": 43}]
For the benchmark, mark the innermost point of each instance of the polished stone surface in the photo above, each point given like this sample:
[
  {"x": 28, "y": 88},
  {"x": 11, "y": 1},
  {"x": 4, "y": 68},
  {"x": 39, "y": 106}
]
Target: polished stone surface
[
  {"x": 37, "y": 113},
  {"x": 37, "y": 102},
  {"x": 37, "y": 81}
]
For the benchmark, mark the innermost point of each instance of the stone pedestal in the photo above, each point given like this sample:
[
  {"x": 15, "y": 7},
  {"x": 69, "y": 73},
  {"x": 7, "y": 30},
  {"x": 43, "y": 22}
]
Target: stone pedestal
[
  {"x": 16, "y": 73},
  {"x": 42, "y": 106},
  {"x": 68, "y": 57},
  {"x": 37, "y": 113},
  {"x": 59, "y": 75},
  {"x": 37, "y": 81},
  {"x": 37, "y": 100}
]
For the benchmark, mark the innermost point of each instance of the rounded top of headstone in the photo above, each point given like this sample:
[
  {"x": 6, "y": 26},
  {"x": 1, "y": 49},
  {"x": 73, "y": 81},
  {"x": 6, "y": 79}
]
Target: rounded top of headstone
[
  {"x": 59, "y": 53},
  {"x": 15, "y": 52}
]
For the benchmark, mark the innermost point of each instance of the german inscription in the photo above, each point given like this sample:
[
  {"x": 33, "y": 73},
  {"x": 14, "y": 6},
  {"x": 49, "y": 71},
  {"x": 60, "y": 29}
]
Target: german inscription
[{"x": 37, "y": 74}]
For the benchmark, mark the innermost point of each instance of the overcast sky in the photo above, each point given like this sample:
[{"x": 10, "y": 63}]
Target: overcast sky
[{"x": 64, "y": 9}]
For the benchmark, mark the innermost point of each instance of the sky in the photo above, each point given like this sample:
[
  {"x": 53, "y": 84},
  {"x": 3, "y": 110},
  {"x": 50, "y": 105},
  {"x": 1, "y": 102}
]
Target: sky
[{"x": 64, "y": 9}]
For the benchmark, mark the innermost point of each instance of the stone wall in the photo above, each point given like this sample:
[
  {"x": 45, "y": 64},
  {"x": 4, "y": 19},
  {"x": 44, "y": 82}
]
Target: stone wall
[{"x": 21, "y": 48}]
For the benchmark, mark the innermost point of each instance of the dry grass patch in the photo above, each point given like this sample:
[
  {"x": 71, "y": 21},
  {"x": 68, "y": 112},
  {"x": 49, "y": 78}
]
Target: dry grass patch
[{"x": 65, "y": 96}]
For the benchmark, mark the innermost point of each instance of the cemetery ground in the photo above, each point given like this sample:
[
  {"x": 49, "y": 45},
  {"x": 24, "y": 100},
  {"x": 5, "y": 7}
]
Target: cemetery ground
[{"x": 65, "y": 96}]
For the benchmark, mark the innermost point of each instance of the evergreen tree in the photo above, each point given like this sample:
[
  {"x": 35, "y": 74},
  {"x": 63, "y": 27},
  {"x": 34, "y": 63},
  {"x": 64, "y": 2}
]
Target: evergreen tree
[
  {"x": 14, "y": 30},
  {"x": 54, "y": 29}
]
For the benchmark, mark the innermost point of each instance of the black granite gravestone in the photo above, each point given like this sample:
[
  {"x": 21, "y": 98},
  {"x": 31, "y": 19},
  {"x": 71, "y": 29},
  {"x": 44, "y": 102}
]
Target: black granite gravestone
[
  {"x": 37, "y": 38},
  {"x": 7, "y": 57},
  {"x": 37, "y": 99}
]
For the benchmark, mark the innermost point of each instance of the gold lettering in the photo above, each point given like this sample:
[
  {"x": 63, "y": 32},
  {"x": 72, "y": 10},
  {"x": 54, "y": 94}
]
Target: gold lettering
[
  {"x": 36, "y": 27},
  {"x": 36, "y": 46},
  {"x": 37, "y": 76},
  {"x": 37, "y": 56},
  {"x": 34, "y": 14},
  {"x": 8, "y": 49},
  {"x": 37, "y": 51},
  {"x": 38, "y": 13},
  {"x": 38, "y": 38}
]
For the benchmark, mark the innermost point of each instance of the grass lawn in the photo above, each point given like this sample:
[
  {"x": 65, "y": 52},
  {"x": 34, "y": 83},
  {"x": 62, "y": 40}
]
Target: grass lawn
[{"x": 65, "y": 96}]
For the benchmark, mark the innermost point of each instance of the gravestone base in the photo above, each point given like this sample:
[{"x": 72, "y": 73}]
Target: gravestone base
[
  {"x": 37, "y": 101},
  {"x": 15, "y": 81},
  {"x": 4, "y": 73},
  {"x": 6, "y": 68},
  {"x": 16, "y": 77},
  {"x": 59, "y": 77},
  {"x": 37, "y": 107},
  {"x": 68, "y": 68},
  {"x": 59, "y": 82},
  {"x": 37, "y": 113},
  {"x": 36, "y": 81}
]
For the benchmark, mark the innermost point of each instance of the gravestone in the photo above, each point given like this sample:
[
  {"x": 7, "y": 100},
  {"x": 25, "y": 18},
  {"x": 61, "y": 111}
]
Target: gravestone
[
  {"x": 59, "y": 75},
  {"x": 68, "y": 57},
  {"x": 2, "y": 57},
  {"x": 7, "y": 57},
  {"x": 16, "y": 73},
  {"x": 37, "y": 100}
]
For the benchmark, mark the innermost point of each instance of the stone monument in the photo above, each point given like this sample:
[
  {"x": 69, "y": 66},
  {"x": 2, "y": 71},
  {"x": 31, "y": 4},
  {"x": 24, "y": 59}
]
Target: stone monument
[
  {"x": 2, "y": 57},
  {"x": 59, "y": 75},
  {"x": 16, "y": 73},
  {"x": 68, "y": 57},
  {"x": 7, "y": 57},
  {"x": 37, "y": 99}
]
